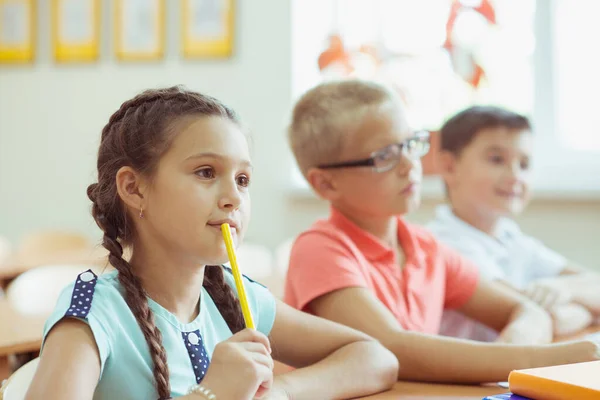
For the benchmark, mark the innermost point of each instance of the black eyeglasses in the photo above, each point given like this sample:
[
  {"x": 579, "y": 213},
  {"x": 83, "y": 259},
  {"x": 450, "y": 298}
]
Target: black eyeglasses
[{"x": 387, "y": 158}]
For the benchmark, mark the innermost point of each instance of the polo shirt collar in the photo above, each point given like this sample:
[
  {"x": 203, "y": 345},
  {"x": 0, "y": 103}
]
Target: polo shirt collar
[{"x": 373, "y": 248}]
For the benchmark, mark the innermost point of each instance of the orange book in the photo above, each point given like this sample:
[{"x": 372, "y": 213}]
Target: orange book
[{"x": 562, "y": 382}]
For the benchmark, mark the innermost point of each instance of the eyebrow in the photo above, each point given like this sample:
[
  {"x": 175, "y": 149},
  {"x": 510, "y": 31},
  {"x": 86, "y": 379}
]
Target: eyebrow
[
  {"x": 495, "y": 148},
  {"x": 503, "y": 150},
  {"x": 217, "y": 156}
]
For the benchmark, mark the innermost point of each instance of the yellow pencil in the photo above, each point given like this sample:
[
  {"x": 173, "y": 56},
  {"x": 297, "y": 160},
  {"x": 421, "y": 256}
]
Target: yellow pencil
[{"x": 239, "y": 283}]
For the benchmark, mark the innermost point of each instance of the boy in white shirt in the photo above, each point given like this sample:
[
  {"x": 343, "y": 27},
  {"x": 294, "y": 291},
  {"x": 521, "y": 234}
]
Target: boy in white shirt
[{"x": 485, "y": 163}]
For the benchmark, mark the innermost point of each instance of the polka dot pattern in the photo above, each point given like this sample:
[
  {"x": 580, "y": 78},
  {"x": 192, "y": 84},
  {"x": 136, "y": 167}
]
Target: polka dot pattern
[
  {"x": 195, "y": 347},
  {"x": 83, "y": 293}
]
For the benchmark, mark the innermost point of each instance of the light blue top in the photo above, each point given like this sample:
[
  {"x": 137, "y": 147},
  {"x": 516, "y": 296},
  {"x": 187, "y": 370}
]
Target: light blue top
[
  {"x": 507, "y": 255},
  {"x": 126, "y": 366}
]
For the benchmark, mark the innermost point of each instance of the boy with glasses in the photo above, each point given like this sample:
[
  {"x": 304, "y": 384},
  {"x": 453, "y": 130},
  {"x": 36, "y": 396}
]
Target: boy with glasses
[{"x": 367, "y": 268}]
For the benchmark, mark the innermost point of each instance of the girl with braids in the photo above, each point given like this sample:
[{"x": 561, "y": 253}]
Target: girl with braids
[{"x": 172, "y": 166}]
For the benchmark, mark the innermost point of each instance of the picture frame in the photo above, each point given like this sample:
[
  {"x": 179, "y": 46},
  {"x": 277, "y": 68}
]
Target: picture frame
[
  {"x": 17, "y": 31},
  {"x": 207, "y": 28},
  {"x": 139, "y": 29},
  {"x": 76, "y": 30}
]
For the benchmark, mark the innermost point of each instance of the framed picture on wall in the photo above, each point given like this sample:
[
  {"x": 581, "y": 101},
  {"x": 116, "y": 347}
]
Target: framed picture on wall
[
  {"x": 207, "y": 28},
  {"x": 139, "y": 29},
  {"x": 76, "y": 30},
  {"x": 17, "y": 31}
]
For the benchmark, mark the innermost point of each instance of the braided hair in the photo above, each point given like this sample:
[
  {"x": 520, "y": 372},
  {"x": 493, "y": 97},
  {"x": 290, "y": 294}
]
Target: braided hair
[{"x": 137, "y": 135}]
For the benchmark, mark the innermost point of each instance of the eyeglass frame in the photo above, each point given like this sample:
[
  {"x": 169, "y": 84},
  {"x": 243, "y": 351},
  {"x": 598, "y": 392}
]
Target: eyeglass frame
[{"x": 421, "y": 135}]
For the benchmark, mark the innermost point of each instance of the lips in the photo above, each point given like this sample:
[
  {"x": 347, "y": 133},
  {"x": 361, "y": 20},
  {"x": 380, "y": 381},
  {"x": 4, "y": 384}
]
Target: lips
[
  {"x": 409, "y": 188},
  {"x": 217, "y": 224},
  {"x": 509, "y": 193}
]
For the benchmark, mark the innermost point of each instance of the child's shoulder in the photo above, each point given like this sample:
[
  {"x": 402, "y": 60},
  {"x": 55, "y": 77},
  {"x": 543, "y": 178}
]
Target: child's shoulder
[
  {"x": 509, "y": 227},
  {"x": 325, "y": 241},
  {"x": 418, "y": 231},
  {"x": 321, "y": 231},
  {"x": 420, "y": 234},
  {"x": 95, "y": 284},
  {"x": 97, "y": 300},
  {"x": 460, "y": 235},
  {"x": 326, "y": 234},
  {"x": 90, "y": 293},
  {"x": 446, "y": 224}
]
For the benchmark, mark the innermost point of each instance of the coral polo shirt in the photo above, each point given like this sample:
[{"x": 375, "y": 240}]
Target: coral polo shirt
[{"x": 336, "y": 254}]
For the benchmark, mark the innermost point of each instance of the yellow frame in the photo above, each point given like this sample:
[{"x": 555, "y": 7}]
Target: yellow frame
[
  {"x": 26, "y": 52},
  {"x": 80, "y": 52},
  {"x": 205, "y": 47},
  {"x": 125, "y": 55}
]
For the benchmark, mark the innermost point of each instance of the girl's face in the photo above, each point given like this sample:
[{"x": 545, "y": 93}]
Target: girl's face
[{"x": 200, "y": 182}]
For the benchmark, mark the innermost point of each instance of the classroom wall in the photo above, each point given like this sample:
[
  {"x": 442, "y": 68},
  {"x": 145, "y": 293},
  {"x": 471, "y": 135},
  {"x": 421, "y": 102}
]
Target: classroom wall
[{"x": 51, "y": 117}]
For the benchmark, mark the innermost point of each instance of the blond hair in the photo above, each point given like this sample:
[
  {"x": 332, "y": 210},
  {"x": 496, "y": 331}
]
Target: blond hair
[{"x": 326, "y": 114}]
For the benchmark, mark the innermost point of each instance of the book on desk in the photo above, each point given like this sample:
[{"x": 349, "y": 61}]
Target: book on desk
[
  {"x": 562, "y": 382},
  {"x": 506, "y": 396}
]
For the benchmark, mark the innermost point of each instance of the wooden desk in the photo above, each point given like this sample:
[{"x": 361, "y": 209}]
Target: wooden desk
[
  {"x": 19, "y": 333},
  {"x": 428, "y": 391},
  {"x": 20, "y": 263}
]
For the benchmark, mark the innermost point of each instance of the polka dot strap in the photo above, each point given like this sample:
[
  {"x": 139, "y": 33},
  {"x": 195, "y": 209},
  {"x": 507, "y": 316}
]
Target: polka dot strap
[
  {"x": 195, "y": 347},
  {"x": 83, "y": 293}
]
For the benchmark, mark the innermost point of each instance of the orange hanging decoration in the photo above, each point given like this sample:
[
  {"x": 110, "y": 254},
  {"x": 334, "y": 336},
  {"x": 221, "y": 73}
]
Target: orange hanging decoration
[
  {"x": 335, "y": 54},
  {"x": 476, "y": 71}
]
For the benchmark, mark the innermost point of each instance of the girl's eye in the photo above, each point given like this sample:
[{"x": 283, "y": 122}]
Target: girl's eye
[
  {"x": 243, "y": 181},
  {"x": 525, "y": 165},
  {"x": 496, "y": 159},
  {"x": 206, "y": 172}
]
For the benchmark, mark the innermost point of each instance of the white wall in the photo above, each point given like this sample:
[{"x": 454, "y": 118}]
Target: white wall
[{"x": 51, "y": 117}]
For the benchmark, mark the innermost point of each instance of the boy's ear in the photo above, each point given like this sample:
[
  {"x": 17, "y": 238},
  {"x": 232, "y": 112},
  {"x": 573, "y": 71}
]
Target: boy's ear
[
  {"x": 447, "y": 165},
  {"x": 322, "y": 183}
]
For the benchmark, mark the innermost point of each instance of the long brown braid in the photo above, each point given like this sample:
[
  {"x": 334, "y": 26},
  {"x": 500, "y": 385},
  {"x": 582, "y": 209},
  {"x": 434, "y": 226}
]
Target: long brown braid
[{"x": 137, "y": 135}]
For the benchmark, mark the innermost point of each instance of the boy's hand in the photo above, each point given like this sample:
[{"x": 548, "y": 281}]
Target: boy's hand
[
  {"x": 549, "y": 293},
  {"x": 568, "y": 353},
  {"x": 523, "y": 335}
]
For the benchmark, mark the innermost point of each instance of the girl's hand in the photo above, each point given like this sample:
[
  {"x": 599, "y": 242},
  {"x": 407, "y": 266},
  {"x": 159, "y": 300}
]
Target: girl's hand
[
  {"x": 241, "y": 367},
  {"x": 277, "y": 392}
]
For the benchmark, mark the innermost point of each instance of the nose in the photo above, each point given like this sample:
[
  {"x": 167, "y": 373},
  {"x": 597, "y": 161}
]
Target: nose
[
  {"x": 229, "y": 196},
  {"x": 515, "y": 173},
  {"x": 406, "y": 164}
]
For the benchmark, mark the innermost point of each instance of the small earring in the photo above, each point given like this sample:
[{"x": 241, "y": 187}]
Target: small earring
[{"x": 141, "y": 212}]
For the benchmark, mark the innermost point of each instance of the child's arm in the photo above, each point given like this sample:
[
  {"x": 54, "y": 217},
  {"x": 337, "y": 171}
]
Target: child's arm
[
  {"x": 570, "y": 318},
  {"x": 567, "y": 318},
  {"x": 440, "y": 359},
  {"x": 518, "y": 320},
  {"x": 575, "y": 284},
  {"x": 326, "y": 352},
  {"x": 69, "y": 367}
]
